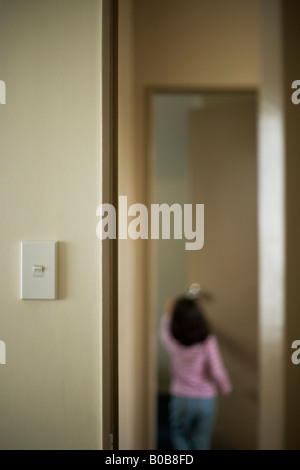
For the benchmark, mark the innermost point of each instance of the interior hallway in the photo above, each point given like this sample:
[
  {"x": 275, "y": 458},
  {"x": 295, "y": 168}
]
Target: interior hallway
[{"x": 204, "y": 47}]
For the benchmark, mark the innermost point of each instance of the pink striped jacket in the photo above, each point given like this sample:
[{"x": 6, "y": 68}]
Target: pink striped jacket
[{"x": 198, "y": 370}]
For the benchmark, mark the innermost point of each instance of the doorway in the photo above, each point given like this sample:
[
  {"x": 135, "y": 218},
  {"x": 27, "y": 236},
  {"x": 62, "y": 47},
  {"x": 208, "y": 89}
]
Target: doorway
[{"x": 203, "y": 150}]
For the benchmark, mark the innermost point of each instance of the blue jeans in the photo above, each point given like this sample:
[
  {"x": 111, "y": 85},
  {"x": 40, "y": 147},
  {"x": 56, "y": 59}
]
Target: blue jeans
[{"x": 191, "y": 422}]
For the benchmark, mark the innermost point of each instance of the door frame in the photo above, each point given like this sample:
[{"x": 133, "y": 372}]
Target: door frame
[
  {"x": 151, "y": 91},
  {"x": 109, "y": 249}
]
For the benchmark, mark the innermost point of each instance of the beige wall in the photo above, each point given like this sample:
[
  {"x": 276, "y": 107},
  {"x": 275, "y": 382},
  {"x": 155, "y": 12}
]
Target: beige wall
[
  {"x": 197, "y": 42},
  {"x": 50, "y": 394},
  {"x": 188, "y": 44}
]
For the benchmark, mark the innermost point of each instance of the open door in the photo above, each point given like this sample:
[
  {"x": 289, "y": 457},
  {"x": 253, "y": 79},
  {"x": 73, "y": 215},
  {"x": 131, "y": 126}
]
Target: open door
[
  {"x": 205, "y": 152},
  {"x": 223, "y": 177}
]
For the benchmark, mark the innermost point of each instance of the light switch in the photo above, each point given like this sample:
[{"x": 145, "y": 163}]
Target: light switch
[{"x": 38, "y": 270}]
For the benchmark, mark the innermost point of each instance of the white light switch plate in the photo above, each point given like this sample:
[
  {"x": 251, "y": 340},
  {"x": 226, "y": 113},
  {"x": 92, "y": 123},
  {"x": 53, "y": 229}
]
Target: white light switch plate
[{"x": 38, "y": 270}]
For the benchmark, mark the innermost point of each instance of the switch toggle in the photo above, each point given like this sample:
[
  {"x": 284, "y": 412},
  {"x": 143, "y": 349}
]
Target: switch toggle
[{"x": 38, "y": 271}]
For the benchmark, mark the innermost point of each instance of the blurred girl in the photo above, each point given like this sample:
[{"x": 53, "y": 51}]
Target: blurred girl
[{"x": 197, "y": 374}]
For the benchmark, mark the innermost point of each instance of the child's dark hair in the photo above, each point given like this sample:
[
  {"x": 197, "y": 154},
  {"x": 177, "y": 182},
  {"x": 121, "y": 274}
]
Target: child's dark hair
[{"x": 188, "y": 325}]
